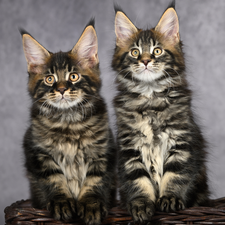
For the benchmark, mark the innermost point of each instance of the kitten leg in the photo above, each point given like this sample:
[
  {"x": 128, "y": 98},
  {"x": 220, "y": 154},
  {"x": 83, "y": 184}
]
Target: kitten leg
[
  {"x": 136, "y": 189},
  {"x": 93, "y": 199},
  {"x": 141, "y": 200},
  {"x": 177, "y": 181},
  {"x": 172, "y": 192},
  {"x": 52, "y": 192}
]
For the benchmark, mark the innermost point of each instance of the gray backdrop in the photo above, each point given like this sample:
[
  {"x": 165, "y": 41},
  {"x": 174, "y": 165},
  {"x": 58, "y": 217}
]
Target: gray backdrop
[{"x": 57, "y": 24}]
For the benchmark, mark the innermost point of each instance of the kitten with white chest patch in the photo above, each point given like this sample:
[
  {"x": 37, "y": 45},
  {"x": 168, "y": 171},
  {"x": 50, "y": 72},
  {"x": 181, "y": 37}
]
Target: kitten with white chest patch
[
  {"x": 161, "y": 148},
  {"x": 69, "y": 149}
]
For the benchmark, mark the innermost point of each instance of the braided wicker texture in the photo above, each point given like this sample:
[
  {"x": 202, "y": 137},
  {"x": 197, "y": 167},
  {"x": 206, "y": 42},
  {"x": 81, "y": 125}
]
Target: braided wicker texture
[{"x": 22, "y": 213}]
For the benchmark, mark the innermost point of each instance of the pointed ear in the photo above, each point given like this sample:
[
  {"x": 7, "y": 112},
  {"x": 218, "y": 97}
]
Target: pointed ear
[
  {"x": 124, "y": 28},
  {"x": 87, "y": 47},
  {"x": 35, "y": 54},
  {"x": 168, "y": 25}
]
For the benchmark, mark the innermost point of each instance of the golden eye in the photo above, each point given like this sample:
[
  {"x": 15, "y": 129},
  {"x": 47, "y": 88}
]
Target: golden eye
[
  {"x": 157, "y": 51},
  {"x": 74, "y": 77},
  {"x": 50, "y": 79},
  {"x": 135, "y": 52}
]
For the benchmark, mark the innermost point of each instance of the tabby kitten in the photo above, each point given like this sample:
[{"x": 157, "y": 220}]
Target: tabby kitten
[
  {"x": 161, "y": 148},
  {"x": 68, "y": 147}
]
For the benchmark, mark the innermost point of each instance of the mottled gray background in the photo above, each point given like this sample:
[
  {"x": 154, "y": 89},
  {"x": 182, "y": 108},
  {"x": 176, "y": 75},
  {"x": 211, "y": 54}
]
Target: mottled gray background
[{"x": 57, "y": 24}]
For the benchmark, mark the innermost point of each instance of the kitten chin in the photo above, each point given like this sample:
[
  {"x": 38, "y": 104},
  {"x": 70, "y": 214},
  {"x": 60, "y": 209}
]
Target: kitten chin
[{"x": 147, "y": 76}]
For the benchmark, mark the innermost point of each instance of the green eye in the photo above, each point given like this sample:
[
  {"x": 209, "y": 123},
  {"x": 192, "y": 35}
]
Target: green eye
[
  {"x": 157, "y": 51},
  {"x": 135, "y": 52},
  {"x": 50, "y": 79}
]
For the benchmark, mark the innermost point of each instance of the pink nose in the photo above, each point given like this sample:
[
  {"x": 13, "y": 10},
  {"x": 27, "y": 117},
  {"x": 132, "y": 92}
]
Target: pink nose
[
  {"x": 145, "y": 62},
  {"x": 62, "y": 90}
]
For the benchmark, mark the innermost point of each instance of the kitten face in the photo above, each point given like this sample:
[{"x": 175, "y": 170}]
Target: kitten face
[
  {"x": 65, "y": 79},
  {"x": 147, "y": 55},
  {"x": 63, "y": 86},
  {"x": 64, "y": 83},
  {"x": 146, "y": 58}
]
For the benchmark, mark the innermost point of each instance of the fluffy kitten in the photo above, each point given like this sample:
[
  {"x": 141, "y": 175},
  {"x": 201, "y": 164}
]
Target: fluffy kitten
[
  {"x": 69, "y": 148},
  {"x": 161, "y": 148}
]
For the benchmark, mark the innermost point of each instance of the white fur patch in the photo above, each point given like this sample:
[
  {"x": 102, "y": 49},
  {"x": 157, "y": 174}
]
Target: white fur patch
[
  {"x": 147, "y": 75},
  {"x": 64, "y": 102}
]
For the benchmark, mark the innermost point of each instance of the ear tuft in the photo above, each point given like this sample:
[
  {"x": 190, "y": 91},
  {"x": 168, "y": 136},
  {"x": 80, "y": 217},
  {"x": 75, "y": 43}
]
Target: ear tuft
[
  {"x": 22, "y": 31},
  {"x": 117, "y": 8},
  {"x": 168, "y": 25},
  {"x": 172, "y": 4},
  {"x": 87, "y": 47},
  {"x": 124, "y": 28},
  {"x": 91, "y": 22}
]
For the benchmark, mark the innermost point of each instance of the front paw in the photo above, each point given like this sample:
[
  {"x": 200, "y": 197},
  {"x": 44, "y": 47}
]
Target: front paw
[
  {"x": 62, "y": 209},
  {"x": 141, "y": 209},
  {"x": 91, "y": 210},
  {"x": 170, "y": 203}
]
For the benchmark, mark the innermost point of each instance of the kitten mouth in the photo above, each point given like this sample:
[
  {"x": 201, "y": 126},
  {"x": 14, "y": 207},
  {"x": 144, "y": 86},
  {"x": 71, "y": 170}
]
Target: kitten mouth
[
  {"x": 147, "y": 70},
  {"x": 62, "y": 100}
]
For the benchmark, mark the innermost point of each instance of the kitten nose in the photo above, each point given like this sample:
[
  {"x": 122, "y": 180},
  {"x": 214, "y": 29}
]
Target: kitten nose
[
  {"x": 145, "y": 62},
  {"x": 62, "y": 90}
]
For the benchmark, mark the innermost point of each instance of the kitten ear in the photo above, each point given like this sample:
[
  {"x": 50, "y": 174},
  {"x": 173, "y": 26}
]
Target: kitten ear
[
  {"x": 168, "y": 25},
  {"x": 124, "y": 28},
  {"x": 87, "y": 47},
  {"x": 35, "y": 53}
]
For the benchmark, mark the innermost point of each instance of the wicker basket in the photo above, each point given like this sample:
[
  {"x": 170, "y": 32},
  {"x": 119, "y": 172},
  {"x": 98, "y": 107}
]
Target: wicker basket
[{"x": 22, "y": 212}]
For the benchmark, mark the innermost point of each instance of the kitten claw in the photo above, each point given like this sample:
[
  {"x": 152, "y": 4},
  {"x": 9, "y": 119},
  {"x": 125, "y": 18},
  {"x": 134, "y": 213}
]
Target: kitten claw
[
  {"x": 62, "y": 209},
  {"x": 92, "y": 211},
  {"x": 141, "y": 210},
  {"x": 171, "y": 203}
]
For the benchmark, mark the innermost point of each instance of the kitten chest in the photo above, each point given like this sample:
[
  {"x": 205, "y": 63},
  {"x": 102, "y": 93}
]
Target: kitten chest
[
  {"x": 152, "y": 143},
  {"x": 74, "y": 166},
  {"x": 69, "y": 157}
]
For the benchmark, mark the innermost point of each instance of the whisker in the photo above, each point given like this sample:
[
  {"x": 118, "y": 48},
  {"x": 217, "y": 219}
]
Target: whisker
[
  {"x": 176, "y": 73},
  {"x": 38, "y": 99},
  {"x": 42, "y": 105},
  {"x": 119, "y": 74},
  {"x": 92, "y": 96},
  {"x": 168, "y": 80},
  {"x": 90, "y": 105}
]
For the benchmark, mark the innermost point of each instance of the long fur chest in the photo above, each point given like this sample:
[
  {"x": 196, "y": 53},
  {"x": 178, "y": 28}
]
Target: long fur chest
[
  {"x": 152, "y": 143},
  {"x": 69, "y": 151},
  {"x": 148, "y": 135},
  {"x": 74, "y": 165}
]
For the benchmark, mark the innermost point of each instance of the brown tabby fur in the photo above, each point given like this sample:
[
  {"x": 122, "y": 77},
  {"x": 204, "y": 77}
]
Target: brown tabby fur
[
  {"x": 162, "y": 153},
  {"x": 69, "y": 149}
]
